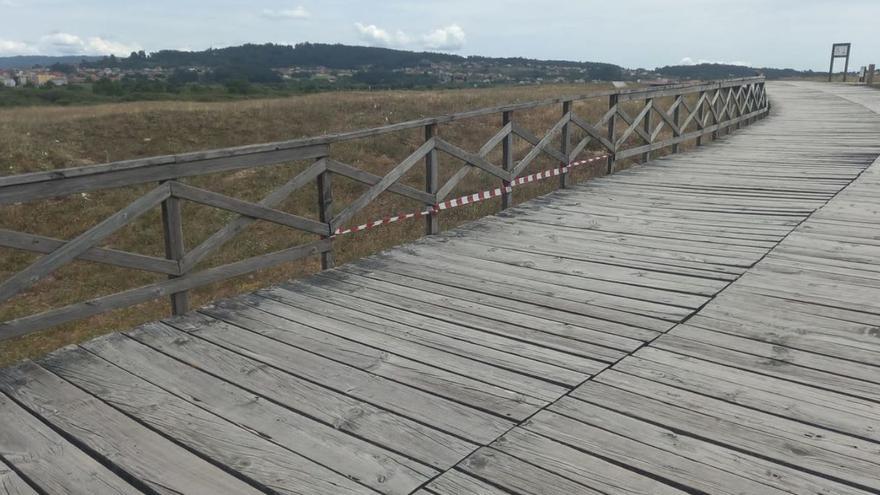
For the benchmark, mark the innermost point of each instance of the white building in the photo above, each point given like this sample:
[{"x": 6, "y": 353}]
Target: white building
[{"x": 8, "y": 82}]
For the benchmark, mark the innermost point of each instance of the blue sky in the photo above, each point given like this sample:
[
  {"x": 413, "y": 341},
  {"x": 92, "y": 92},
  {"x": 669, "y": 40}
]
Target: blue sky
[{"x": 632, "y": 33}]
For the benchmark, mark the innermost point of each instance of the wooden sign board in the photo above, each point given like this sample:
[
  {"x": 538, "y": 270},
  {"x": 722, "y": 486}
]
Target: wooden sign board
[{"x": 840, "y": 50}]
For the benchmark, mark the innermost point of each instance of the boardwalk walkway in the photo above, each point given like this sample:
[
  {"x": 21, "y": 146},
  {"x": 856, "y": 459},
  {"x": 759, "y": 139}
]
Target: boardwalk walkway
[{"x": 709, "y": 323}]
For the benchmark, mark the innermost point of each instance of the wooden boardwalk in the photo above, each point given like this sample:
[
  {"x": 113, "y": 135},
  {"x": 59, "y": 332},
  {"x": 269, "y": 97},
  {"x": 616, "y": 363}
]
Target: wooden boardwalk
[{"x": 706, "y": 324}]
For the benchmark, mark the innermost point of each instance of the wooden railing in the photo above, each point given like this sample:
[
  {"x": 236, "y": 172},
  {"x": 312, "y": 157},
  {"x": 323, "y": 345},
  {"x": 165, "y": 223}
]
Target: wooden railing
[{"x": 714, "y": 107}]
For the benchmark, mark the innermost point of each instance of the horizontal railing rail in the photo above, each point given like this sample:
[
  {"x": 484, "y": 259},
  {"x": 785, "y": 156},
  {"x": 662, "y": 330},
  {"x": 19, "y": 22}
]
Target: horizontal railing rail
[{"x": 714, "y": 107}]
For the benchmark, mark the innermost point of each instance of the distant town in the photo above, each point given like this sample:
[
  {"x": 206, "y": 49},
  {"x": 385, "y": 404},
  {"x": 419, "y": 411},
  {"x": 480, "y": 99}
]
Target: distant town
[
  {"x": 308, "y": 67},
  {"x": 443, "y": 73}
]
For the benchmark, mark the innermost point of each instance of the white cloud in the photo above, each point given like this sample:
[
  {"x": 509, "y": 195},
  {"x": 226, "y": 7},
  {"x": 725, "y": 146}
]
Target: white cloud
[
  {"x": 375, "y": 35},
  {"x": 71, "y": 44},
  {"x": 67, "y": 44},
  {"x": 448, "y": 38},
  {"x": 451, "y": 37},
  {"x": 690, "y": 61},
  {"x": 298, "y": 12},
  {"x": 9, "y": 47}
]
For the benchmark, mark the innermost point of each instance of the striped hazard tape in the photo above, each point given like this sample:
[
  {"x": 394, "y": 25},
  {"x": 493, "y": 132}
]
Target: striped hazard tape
[{"x": 470, "y": 198}]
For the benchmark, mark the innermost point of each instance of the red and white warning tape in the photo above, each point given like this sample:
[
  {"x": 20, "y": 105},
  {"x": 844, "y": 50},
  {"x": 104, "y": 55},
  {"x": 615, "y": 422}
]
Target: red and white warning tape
[{"x": 470, "y": 198}]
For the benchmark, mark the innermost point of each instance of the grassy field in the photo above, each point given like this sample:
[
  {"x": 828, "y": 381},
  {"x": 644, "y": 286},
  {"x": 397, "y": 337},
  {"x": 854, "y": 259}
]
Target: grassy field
[{"x": 45, "y": 138}]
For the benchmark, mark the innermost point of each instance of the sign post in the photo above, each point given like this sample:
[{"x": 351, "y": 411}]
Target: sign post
[{"x": 839, "y": 50}]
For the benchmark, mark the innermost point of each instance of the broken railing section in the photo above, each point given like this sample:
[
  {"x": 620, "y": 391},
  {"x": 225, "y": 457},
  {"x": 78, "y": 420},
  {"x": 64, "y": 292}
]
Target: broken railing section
[{"x": 715, "y": 107}]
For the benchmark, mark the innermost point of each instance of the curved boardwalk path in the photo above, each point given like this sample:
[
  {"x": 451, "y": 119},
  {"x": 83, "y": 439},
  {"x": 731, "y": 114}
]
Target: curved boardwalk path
[{"x": 706, "y": 324}]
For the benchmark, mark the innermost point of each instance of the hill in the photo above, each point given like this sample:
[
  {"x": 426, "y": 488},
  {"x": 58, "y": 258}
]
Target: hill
[
  {"x": 723, "y": 71},
  {"x": 28, "y": 61}
]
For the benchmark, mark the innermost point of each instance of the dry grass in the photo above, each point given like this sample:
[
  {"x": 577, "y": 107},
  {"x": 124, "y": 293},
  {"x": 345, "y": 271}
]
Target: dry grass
[{"x": 33, "y": 139}]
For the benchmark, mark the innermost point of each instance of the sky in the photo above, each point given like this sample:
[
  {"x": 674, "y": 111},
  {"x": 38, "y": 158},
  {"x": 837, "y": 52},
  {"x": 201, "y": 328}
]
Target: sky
[{"x": 631, "y": 33}]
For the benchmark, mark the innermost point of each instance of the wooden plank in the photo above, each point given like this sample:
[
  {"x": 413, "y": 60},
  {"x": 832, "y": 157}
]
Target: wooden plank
[
  {"x": 12, "y": 484},
  {"x": 172, "y": 234},
  {"x": 809, "y": 405},
  {"x": 592, "y": 132},
  {"x": 369, "y": 179},
  {"x": 506, "y": 353},
  {"x": 442, "y": 414},
  {"x": 455, "y": 482},
  {"x": 41, "y": 185},
  {"x": 535, "y": 294},
  {"x": 483, "y": 306},
  {"x": 139, "y": 453},
  {"x": 248, "y": 209},
  {"x": 49, "y": 461},
  {"x": 519, "y": 477},
  {"x": 565, "y": 146},
  {"x": 542, "y": 146},
  {"x": 325, "y": 212},
  {"x": 611, "y": 137},
  {"x": 517, "y": 305},
  {"x": 808, "y": 448},
  {"x": 432, "y": 179},
  {"x": 507, "y": 160},
  {"x": 779, "y": 368},
  {"x": 82, "y": 243},
  {"x": 392, "y": 177},
  {"x": 530, "y": 392},
  {"x": 332, "y": 408},
  {"x": 44, "y": 245},
  {"x": 233, "y": 228},
  {"x": 427, "y": 369},
  {"x": 28, "y": 324},
  {"x": 700, "y": 465},
  {"x": 282, "y": 450},
  {"x": 578, "y": 465},
  {"x": 526, "y": 328},
  {"x": 472, "y": 159}
]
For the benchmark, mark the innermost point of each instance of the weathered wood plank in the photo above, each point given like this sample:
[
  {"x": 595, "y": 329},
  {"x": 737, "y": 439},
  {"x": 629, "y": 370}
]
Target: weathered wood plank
[
  {"x": 82, "y": 243},
  {"x": 27, "y": 324},
  {"x": 52, "y": 463},
  {"x": 333, "y": 408},
  {"x": 246, "y": 208},
  {"x": 12, "y": 484},
  {"x": 45, "y": 245},
  {"x": 279, "y": 448},
  {"x": 442, "y": 414},
  {"x": 140, "y": 453}
]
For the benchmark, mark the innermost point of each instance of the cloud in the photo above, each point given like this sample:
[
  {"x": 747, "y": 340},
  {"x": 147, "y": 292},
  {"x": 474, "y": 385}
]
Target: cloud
[
  {"x": 298, "y": 12},
  {"x": 690, "y": 61},
  {"x": 67, "y": 44},
  {"x": 70, "y": 44},
  {"x": 375, "y": 35},
  {"x": 449, "y": 38},
  {"x": 9, "y": 47}
]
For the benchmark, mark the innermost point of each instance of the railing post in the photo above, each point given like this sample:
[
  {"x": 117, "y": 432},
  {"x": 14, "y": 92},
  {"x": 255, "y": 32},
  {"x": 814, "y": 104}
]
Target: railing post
[
  {"x": 432, "y": 222},
  {"x": 507, "y": 160},
  {"x": 566, "y": 145},
  {"x": 676, "y": 118},
  {"x": 700, "y": 109},
  {"x": 612, "y": 134},
  {"x": 172, "y": 228},
  {"x": 646, "y": 125},
  {"x": 325, "y": 213},
  {"x": 715, "y": 120}
]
